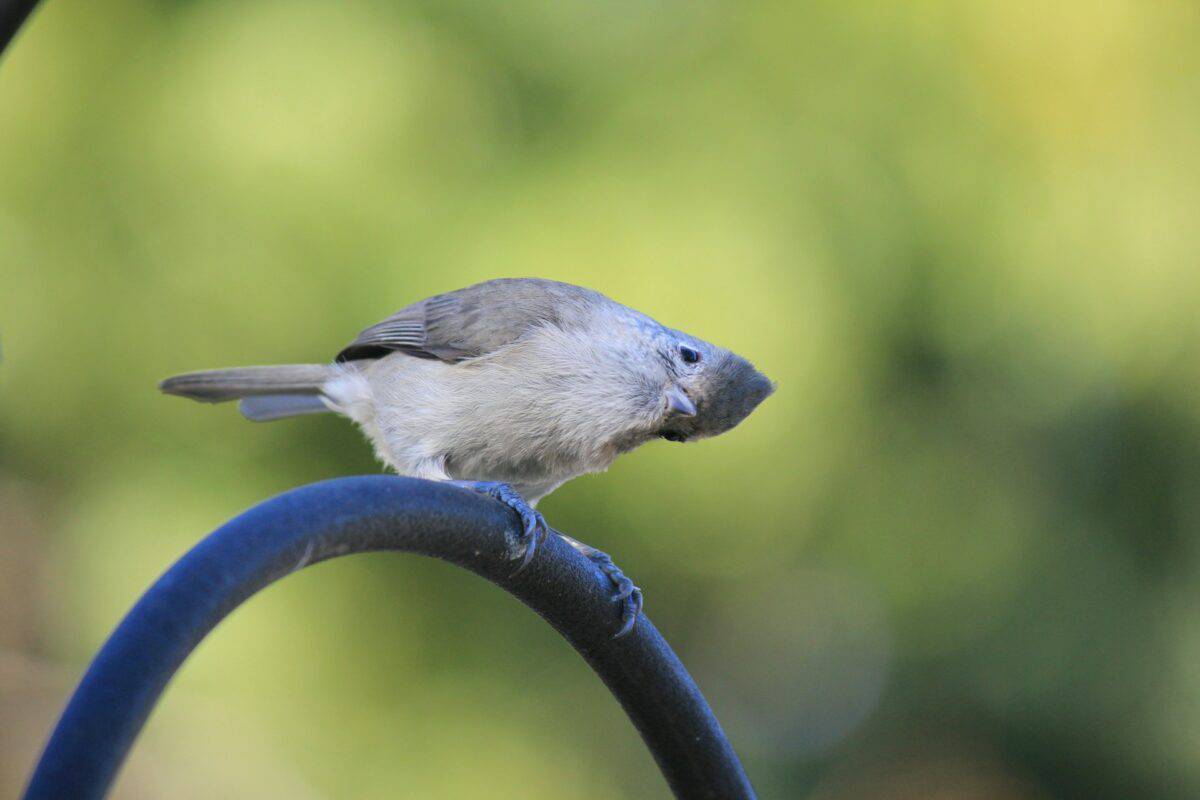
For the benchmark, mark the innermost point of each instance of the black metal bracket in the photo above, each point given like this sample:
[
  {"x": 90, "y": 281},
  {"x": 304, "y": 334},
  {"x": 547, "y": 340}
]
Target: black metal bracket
[
  {"x": 367, "y": 513},
  {"x": 12, "y": 16}
]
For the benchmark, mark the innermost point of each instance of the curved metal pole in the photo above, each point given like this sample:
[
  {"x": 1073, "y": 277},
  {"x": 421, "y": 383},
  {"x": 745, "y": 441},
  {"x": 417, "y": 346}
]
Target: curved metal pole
[
  {"x": 354, "y": 515},
  {"x": 12, "y": 16}
]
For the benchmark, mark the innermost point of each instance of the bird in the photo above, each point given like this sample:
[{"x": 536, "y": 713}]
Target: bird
[{"x": 509, "y": 388}]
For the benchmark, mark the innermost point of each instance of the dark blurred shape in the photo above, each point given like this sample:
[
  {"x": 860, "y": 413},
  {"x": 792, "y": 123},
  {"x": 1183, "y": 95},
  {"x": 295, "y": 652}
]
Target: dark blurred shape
[
  {"x": 1127, "y": 467},
  {"x": 12, "y": 15}
]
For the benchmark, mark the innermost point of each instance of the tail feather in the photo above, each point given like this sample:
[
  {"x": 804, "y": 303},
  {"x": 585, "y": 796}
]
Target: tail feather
[
  {"x": 219, "y": 385},
  {"x": 268, "y": 407}
]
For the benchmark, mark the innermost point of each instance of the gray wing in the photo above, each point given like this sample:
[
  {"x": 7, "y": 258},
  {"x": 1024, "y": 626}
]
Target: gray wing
[{"x": 474, "y": 321}]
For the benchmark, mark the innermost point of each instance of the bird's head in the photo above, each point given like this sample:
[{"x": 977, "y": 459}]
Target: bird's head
[{"x": 708, "y": 390}]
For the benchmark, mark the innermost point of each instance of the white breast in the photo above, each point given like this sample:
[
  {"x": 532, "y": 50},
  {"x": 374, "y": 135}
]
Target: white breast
[{"x": 533, "y": 414}]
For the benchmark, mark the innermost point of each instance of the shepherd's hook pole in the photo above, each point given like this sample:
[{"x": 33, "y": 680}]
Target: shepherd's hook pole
[{"x": 360, "y": 514}]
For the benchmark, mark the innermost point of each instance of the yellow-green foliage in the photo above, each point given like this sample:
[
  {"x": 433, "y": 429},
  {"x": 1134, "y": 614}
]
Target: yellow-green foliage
[{"x": 955, "y": 555}]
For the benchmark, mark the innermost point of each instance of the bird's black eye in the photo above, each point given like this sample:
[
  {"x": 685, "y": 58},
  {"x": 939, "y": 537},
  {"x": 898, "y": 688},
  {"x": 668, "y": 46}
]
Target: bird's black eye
[{"x": 689, "y": 355}]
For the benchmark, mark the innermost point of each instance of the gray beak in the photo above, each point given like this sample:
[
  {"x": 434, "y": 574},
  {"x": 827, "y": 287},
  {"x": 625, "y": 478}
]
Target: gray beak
[{"x": 679, "y": 403}]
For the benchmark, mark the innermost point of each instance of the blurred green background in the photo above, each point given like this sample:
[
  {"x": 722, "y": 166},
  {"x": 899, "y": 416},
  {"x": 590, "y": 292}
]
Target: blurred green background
[{"x": 955, "y": 556}]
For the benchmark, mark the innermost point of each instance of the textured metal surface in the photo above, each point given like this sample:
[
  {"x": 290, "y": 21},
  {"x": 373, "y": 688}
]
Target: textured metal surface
[{"x": 353, "y": 515}]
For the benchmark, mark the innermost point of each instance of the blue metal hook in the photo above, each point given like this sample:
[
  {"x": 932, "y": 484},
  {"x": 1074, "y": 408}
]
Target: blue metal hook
[{"x": 359, "y": 514}]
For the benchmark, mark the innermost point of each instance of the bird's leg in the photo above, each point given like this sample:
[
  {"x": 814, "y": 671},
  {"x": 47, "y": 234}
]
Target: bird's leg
[
  {"x": 534, "y": 529},
  {"x": 534, "y": 532},
  {"x": 627, "y": 594}
]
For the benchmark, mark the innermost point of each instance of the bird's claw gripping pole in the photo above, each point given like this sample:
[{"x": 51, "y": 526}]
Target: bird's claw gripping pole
[
  {"x": 535, "y": 532},
  {"x": 353, "y": 515}
]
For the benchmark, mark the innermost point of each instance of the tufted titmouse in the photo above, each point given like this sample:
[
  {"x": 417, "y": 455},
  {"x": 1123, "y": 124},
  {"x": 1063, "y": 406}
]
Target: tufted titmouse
[{"x": 510, "y": 387}]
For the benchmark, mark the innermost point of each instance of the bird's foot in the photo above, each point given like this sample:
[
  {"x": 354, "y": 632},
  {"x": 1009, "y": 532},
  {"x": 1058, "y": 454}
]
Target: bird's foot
[
  {"x": 628, "y": 595},
  {"x": 533, "y": 525}
]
